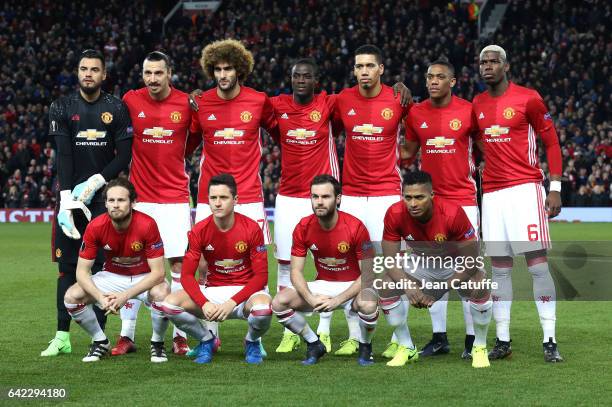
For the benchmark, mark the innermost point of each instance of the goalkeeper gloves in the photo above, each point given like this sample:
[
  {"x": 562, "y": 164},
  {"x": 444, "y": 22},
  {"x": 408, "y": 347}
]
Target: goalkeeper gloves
[
  {"x": 85, "y": 191},
  {"x": 64, "y": 216}
]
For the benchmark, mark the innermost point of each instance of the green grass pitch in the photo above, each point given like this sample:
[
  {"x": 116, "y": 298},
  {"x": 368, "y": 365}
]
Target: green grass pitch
[{"x": 28, "y": 322}]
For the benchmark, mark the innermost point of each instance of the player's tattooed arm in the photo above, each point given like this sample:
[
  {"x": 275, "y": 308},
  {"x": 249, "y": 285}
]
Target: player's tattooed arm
[{"x": 197, "y": 93}]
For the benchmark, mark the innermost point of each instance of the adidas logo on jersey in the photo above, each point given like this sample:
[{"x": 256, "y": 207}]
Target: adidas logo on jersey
[
  {"x": 284, "y": 116},
  {"x": 107, "y": 247},
  {"x": 314, "y": 247},
  {"x": 352, "y": 112},
  {"x": 212, "y": 117},
  {"x": 424, "y": 125},
  {"x": 141, "y": 115},
  {"x": 210, "y": 247},
  {"x": 481, "y": 115}
]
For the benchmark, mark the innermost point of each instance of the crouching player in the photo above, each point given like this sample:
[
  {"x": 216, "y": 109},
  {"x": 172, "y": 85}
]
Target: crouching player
[
  {"x": 133, "y": 268},
  {"x": 234, "y": 252},
  {"x": 445, "y": 255},
  {"x": 341, "y": 247}
]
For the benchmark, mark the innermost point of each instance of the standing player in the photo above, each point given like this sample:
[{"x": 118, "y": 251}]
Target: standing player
[
  {"x": 94, "y": 142},
  {"x": 134, "y": 268},
  {"x": 371, "y": 117},
  {"x": 434, "y": 229},
  {"x": 161, "y": 117},
  {"x": 441, "y": 127},
  {"x": 515, "y": 207},
  {"x": 230, "y": 118},
  {"x": 235, "y": 255},
  {"x": 342, "y": 252},
  {"x": 307, "y": 149}
]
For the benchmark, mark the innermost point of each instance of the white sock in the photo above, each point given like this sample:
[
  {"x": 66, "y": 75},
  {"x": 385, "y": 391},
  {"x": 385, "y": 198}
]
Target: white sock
[
  {"x": 437, "y": 312},
  {"x": 324, "y": 322},
  {"x": 297, "y": 324},
  {"x": 259, "y": 321},
  {"x": 354, "y": 326},
  {"x": 502, "y": 301},
  {"x": 396, "y": 315},
  {"x": 467, "y": 317},
  {"x": 85, "y": 316},
  {"x": 545, "y": 297},
  {"x": 367, "y": 326},
  {"x": 187, "y": 322},
  {"x": 159, "y": 321},
  {"x": 129, "y": 315},
  {"x": 284, "y": 270},
  {"x": 176, "y": 285},
  {"x": 481, "y": 315}
]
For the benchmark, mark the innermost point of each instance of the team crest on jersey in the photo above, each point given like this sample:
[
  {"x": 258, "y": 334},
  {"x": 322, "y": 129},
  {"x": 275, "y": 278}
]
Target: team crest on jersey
[
  {"x": 509, "y": 113},
  {"x": 455, "y": 124},
  {"x": 246, "y": 116},
  {"x": 107, "y": 118},
  {"x": 387, "y": 113},
  {"x": 315, "y": 116},
  {"x": 440, "y": 237},
  {"x": 58, "y": 252},
  {"x": 176, "y": 116},
  {"x": 241, "y": 246},
  {"x": 343, "y": 247},
  {"x": 136, "y": 246}
]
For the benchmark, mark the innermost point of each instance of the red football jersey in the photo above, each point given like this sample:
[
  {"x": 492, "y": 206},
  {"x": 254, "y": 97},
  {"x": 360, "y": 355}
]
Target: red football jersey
[
  {"x": 235, "y": 257},
  {"x": 445, "y": 137},
  {"x": 125, "y": 252},
  {"x": 307, "y": 144},
  {"x": 372, "y": 130},
  {"x": 336, "y": 252},
  {"x": 158, "y": 152},
  {"x": 508, "y": 127},
  {"x": 232, "y": 139},
  {"x": 449, "y": 223}
]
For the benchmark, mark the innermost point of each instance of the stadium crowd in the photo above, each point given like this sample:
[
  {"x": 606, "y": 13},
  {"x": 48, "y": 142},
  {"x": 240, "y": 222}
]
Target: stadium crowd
[{"x": 562, "y": 49}]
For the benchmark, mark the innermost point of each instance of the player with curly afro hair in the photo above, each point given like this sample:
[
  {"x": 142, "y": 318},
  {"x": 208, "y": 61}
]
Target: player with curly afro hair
[{"x": 227, "y": 51}]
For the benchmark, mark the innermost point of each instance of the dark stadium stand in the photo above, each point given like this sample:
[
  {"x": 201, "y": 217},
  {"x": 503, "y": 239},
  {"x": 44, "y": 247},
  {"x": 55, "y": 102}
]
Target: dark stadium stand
[{"x": 562, "y": 49}]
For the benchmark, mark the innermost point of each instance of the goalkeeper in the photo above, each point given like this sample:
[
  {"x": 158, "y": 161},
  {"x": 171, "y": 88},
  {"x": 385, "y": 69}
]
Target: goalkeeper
[{"x": 93, "y": 136}]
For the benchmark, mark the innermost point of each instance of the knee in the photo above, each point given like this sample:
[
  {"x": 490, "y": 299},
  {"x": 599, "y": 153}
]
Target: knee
[
  {"x": 176, "y": 265},
  {"x": 173, "y": 299},
  {"x": 366, "y": 307},
  {"x": 73, "y": 295},
  {"x": 159, "y": 292},
  {"x": 282, "y": 301},
  {"x": 261, "y": 300}
]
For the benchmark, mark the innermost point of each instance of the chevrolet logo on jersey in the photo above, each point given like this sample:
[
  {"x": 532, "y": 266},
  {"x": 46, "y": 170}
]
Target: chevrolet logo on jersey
[
  {"x": 496, "y": 130},
  {"x": 158, "y": 132},
  {"x": 229, "y": 134},
  {"x": 332, "y": 261},
  {"x": 228, "y": 264},
  {"x": 91, "y": 134},
  {"x": 367, "y": 129},
  {"x": 440, "y": 142},
  {"x": 301, "y": 134}
]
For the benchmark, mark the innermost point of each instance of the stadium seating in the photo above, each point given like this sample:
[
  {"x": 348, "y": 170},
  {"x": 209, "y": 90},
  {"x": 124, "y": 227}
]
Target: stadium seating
[{"x": 561, "y": 50}]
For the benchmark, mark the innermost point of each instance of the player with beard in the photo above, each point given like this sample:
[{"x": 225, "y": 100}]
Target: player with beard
[
  {"x": 133, "y": 268},
  {"x": 342, "y": 252},
  {"x": 94, "y": 142},
  {"x": 161, "y": 117}
]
